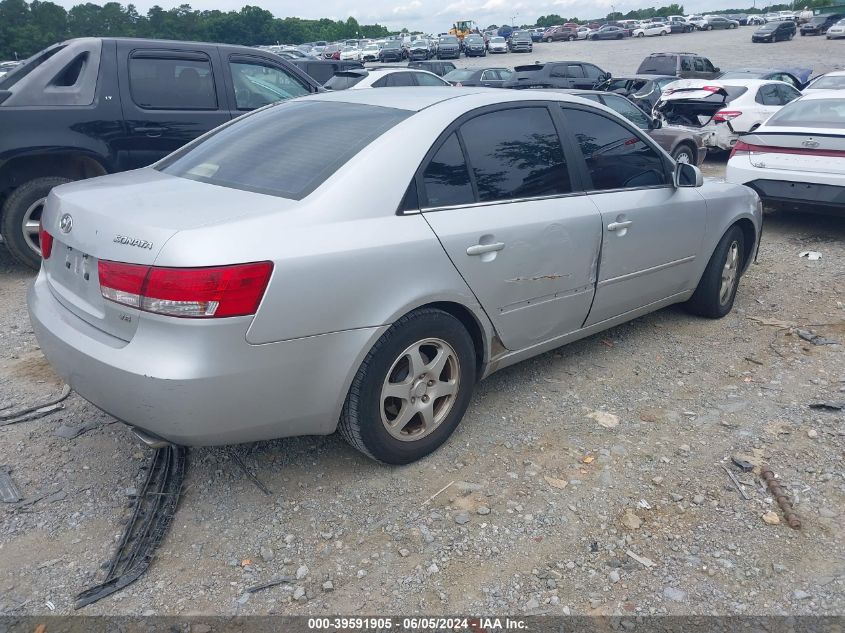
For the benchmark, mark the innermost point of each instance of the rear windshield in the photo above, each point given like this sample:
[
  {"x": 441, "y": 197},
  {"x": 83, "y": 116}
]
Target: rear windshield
[
  {"x": 459, "y": 74},
  {"x": 286, "y": 150},
  {"x": 343, "y": 80},
  {"x": 821, "y": 113},
  {"x": 835, "y": 82},
  {"x": 22, "y": 70},
  {"x": 658, "y": 66}
]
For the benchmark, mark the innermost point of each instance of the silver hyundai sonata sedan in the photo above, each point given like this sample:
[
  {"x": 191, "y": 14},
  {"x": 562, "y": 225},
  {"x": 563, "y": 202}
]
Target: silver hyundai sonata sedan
[{"x": 257, "y": 284}]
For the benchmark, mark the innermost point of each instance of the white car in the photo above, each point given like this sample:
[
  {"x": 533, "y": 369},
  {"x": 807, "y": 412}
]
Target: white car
[
  {"x": 584, "y": 32},
  {"x": 720, "y": 112},
  {"x": 351, "y": 53},
  {"x": 797, "y": 156},
  {"x": 650, "y": 29},
  {"x": 756, "y": 20},
  {"x": 370, "y": 53},
  {"x": 836, "y": 31},
  {"x": 497, "y": 45},
  {"x": 830, "y": 81},
  {"x": 698, "y": 21},
  {"x": 360, "y": 78}
]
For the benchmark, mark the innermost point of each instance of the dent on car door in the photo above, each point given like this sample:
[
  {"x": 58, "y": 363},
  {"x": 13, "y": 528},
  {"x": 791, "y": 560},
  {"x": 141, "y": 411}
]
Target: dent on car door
[
  {"x": 499, "y": 194},
  {"x": 652, "y": 231}
]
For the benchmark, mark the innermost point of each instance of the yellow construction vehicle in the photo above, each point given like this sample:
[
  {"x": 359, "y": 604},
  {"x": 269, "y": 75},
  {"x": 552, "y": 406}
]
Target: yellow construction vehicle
[{"x": 462, "y": 28}]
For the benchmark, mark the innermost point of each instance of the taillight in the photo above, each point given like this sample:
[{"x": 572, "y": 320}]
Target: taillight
[
  {"x": 220, "y": 291},
  {"x": 740, "y": 147},
  {"x": 723, "y": 116},
  {"x": 45, "y": 241}
]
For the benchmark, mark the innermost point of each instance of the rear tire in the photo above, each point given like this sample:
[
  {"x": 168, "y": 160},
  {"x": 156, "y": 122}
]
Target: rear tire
[
  {"x": 684, "y": 153},
  {"x": 393, "y": 429},
  {"x": 716, "y": 291},
  {"x": 548, "y": 40},
  {"x": 23, "y": 207}
]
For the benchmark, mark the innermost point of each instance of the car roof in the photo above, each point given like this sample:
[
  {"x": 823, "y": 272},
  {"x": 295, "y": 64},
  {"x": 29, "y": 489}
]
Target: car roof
[
  {"x": 416, "y": 98},
  {"x": 748, "y": 83}
]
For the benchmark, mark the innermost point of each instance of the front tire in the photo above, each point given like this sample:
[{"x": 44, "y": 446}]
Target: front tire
[
  {"x": 412, "y": 389},
  {"x": 22, "y": 215},
  {"x": 716, "y": 291},
  {"x": 548, "y": 40}
]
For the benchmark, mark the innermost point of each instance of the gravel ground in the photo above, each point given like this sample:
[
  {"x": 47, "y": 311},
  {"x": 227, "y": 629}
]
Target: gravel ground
[{"x": 544, "y": 506}]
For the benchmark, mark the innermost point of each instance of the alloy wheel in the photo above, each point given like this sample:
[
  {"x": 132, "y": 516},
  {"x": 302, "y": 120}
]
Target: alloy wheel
[
  {"x": 420, "y": 389},
  {"x": 729, "y": 273},
  {"x": 30, "y": 224}
]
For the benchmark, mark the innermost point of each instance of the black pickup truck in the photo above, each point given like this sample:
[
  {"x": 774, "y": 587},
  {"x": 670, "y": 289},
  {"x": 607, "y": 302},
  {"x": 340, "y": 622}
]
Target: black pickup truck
[{"x": 93, "y": 106}]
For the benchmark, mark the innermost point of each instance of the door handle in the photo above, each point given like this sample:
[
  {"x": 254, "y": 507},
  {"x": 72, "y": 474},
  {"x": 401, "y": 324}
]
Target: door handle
[
  {"x": 480, "y": 249},
  {"x": 615, "y": 226},
  {"x": 149, "y": 131}
]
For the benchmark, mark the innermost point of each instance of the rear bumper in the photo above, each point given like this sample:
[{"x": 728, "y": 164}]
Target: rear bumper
[
  {"x": 830, "y": 196},
  {"x": 809, "y": 188},
  {"x": 200, "y": 383}
]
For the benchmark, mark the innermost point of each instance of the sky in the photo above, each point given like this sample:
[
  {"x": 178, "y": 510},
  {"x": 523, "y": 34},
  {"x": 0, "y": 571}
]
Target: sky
[{"x": 432, "y": 15}]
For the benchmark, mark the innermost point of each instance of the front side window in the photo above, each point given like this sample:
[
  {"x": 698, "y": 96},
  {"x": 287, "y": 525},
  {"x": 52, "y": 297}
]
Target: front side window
[
  {"x": 515, "y": 153},
  {"x": 281, "y": 151},
  {"x": 616, "y": 157},
  {"x": 686, "y": 63},
  {"x": 446, "y": 178},
  {"x": 787, "y": 94},
  {"x": 699, "y": 64},
  {"x": 257, "y": 84},
  {"x": 575, "y": 71},
  {"x": 708, "y": 67},
  {"x": 172, "y": 83}
]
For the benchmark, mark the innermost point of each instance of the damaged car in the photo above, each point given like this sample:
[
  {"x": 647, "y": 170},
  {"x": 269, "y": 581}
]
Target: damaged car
[
  {"x": 237, "y": 290},
  {"x": 721, "y": 112}
]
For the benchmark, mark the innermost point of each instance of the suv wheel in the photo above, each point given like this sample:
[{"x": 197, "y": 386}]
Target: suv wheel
[
  {"x": 684, "y": 154},
  {"x": 548, "y": 40},
  {"x": 22, "y": 216},
  {"x": 412, "y": 389}
]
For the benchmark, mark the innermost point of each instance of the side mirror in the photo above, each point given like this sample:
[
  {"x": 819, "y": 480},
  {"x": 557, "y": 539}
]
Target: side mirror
[
  {"x": 687, "y": 175},
  {"x": 655, "y": 124},
  {"x": 717, "y": 69}
]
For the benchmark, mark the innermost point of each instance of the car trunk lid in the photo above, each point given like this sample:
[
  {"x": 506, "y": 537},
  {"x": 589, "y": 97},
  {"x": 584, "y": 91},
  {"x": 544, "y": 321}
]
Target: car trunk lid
[
  {"x": 694, "y": 105},
  {"x": 100, "y": 228},
  {"x": 795, "y": 150}
]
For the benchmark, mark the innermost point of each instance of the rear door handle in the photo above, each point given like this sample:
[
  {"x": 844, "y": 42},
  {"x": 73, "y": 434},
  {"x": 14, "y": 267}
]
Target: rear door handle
[
  {"x": 480, "y": 249},
  {"x": 615, "y": 226},
  {"x": 149, "y": 131}
]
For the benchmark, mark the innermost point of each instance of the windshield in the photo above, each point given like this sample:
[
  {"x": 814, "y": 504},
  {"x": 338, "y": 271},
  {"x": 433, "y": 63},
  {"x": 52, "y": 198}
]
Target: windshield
[
  {"x": 834, "y": 82},
  {"x": 768, "y": 27},
  {"x": 474, "y": 40},
  {"x": 497, "y": 40},
  {"x": 448, "y": 40},
  {"x": 822, "y": 113},
  {"x": 281, "y": 150}
]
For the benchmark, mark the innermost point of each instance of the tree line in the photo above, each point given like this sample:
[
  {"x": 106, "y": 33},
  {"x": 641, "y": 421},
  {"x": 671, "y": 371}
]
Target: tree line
[
  {"x": 678, "y": 9},
  {"x": 26, "y": 28}
]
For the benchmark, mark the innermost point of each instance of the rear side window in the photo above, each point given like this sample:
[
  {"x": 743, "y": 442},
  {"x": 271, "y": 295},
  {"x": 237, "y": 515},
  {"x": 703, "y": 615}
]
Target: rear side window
[
  {"x": 288, "y": 150},
  {"x": 446, "y": 178},
  {"x": 574, "y": 70},
  {"x": 661, "y": 65},
  {"x": 172, "y": 83},
  {"x": 616, "y": 157},
  {"x": 515, "y": 153},
  {"x": 768, "y": 95},
  {"x": 424, "y": 79}
]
